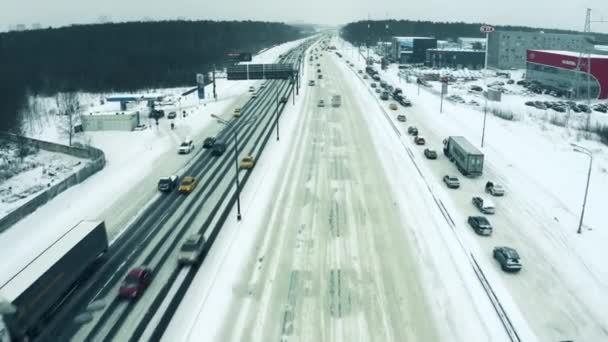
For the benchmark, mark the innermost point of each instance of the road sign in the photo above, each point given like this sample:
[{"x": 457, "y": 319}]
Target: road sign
[
  {"x": 260, "y": 71},
  {"x": 240, "y": 56},
  {"x": 486, "y": 29}
]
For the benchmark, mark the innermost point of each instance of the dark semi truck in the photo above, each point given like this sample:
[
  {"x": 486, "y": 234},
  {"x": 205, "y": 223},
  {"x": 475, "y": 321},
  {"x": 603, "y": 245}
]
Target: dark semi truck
[
  {"x": 38, "y": 289},
  {"x": 468, "y": 159}
]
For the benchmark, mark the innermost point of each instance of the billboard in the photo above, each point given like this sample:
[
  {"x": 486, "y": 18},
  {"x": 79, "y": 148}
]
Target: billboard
[{"x": 200, "y": 85}]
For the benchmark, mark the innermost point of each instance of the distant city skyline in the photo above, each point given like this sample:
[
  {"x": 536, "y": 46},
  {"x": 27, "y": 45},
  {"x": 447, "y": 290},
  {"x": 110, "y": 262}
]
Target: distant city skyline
[{"x": 568, "y": 15}]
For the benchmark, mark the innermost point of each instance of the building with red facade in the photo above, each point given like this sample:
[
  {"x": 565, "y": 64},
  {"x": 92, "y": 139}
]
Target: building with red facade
[{"x": 568, "y": 72}]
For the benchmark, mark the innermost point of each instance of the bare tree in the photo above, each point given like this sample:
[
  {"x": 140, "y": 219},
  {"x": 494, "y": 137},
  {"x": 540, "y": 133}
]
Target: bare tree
[{"x": 67, "y": 106}]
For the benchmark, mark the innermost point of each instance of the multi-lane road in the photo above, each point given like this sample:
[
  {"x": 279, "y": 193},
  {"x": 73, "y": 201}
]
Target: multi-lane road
[{"x": 93, "y": 311}]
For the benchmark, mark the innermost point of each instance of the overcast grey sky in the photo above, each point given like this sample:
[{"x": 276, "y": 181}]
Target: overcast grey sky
[{"x": 566, "y": 14}]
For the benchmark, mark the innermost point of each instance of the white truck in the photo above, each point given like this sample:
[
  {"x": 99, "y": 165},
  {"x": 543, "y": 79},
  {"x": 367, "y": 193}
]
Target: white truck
[{"x": 336, "y": 101}]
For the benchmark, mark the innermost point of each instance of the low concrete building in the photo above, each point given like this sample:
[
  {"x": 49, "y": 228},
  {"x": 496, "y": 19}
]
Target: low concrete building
[
  {"x": 455, "y": 58},
  {"x": 110, "y": 121},
  {"x": 412, "y": 50}
]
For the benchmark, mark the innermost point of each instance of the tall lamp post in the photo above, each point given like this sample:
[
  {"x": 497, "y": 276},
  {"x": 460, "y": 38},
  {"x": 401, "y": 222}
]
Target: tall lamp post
[
  {"x": 583, "y": 150},
  {"x": 236, "y": 164}
]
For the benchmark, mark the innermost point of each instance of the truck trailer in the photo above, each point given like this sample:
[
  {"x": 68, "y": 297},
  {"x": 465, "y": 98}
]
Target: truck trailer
[
  {"x": 38, "y": 289},
  {"x": 468, "y": 159}
]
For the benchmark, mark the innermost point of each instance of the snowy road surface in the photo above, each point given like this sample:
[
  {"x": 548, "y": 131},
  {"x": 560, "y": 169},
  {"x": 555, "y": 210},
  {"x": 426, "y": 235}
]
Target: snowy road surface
[
  {"x": 562, "y": 289},
  {"x": 346, "y": 250}
]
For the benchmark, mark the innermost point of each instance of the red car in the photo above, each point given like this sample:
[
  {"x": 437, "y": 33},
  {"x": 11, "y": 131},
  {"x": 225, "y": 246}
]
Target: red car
[
  {"x": 419, "y": 140},
  {"x": 135, "y": 283}
]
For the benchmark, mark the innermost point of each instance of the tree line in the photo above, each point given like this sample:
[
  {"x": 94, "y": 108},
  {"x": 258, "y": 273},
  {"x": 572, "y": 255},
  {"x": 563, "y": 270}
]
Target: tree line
[
  {"x": 381, "y": 30},
  {"x": 121, "y": 57}
]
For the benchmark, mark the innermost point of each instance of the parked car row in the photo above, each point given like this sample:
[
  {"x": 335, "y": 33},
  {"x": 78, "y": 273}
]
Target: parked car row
[{"x": 563, "y": 106}]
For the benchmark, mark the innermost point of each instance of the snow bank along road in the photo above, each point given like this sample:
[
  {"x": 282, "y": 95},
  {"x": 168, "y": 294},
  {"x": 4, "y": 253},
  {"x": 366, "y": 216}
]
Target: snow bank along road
[
  {"x": 154, "y": 238},
  {"x": 352, "y": 246}
]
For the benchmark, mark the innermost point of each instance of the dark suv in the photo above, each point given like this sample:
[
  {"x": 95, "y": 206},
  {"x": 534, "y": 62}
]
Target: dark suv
[
  {"x": 208, "y": 143},
  {"x": 218, "y": 149},
  {"x": 480, "y": 225},
  {"x": 508, "y": 258}
]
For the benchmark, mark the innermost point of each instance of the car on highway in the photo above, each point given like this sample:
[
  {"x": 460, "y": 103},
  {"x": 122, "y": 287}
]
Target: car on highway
[
  {"x": 167, "y": 183},
  {"x": 135, "y": 283},
  {"x": 378, "y": 90},
  {"x": 172, "y": 115},
  {"x": 218, "y": 149},
  {"x": 373, "y": 84},
  {"x": 283, "y": 99},
  {"x": 318, "y": 70},
  {"x": 393, "y": 106},
  {"x": 247, "y": 162},
  {"x": 311, "y": 82},
  {"x": 430, "y": 153},
  {"x": 188, "y": 184},
  {"x": 321, "y": 103},
  {"x": 360, "y": 71},
  {"x": 451, "y": 182},
  {"x": 508, "y": 258},
  {"x": 418, "y": 140},
  {"x": 263, "y": 85},
  {"x": 208, "y": 142},
  {"x": 237, "y": 112},
  {"x": 251, "y": 89},
  {"x": 495, "y": 189},
  {"x": 405, "y": 102},
  {"x": 480, "y": 225},
  {"x": 365, "y": 77},
  {"x": 191, "y": 250},
  {"x": 254, "y": 95},
  {"x": 320, "y": 76},
  {"x": 412, "y": 130},
  {"x": 485, "y": 205},
  {"x": 384, "y": 95},
  {"x": 401, "y": 118},
  {"x": 319, "y": 64},
  {"x": 186, "y": 146}
]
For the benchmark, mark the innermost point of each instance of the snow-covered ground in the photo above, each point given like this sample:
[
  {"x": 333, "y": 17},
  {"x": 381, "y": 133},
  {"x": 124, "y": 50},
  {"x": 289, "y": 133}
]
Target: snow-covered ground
[
  {"x": 562, "y": 291},
  {"x": 135, "y": 160},
  {"x": 23, "y": 178}
]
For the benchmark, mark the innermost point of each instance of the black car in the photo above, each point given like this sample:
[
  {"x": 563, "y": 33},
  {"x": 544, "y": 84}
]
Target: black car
[
  {"x": 218, "y": 149},
  {"x": 384, "y": 95},
  {"x": 405, "y": 102},
  {"x": 283, "y": 99},
  {"x": 508, "y": 259},
  {"x": 430, "y": 154},
  {"x": 480, "y": 225},
  {"x": 412, "y": 130},
  {"x": 208, "y": 142},
  {"x": 172, "y": 115}
]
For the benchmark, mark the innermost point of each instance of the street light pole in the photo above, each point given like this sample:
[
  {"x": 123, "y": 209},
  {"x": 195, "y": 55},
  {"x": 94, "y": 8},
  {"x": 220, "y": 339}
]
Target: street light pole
[
  {"x": 236, "y": 164},
  {"x": 590, "y": 155}
]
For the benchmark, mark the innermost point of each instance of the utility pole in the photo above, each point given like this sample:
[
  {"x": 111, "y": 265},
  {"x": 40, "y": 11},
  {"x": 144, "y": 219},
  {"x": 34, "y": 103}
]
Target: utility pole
[
  {"x": 214, "y": 94},
  {"x": 587, "y": 152}
]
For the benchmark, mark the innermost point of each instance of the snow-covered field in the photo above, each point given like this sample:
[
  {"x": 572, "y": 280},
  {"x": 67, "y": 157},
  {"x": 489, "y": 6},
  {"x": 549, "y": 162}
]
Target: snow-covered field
[
  {"x": 135, "y": 160},
  {"x": 545, "y": 181},
  {"x": 23, "y": 178}
]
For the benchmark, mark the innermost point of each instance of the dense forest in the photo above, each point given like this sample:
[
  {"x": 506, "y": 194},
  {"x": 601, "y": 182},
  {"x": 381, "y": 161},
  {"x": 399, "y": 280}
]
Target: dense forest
[
  {"x": 358, "y": 33},
  {"x": 121, "y": 57}
]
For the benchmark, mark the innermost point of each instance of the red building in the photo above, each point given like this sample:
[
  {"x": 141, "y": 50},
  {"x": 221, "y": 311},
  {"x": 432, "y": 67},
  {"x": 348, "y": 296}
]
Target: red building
[{"x": 565, "y": 71}]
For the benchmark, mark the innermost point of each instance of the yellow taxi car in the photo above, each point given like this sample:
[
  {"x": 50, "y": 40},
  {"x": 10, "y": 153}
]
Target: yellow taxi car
[
  {"x": 247, "y": 162},
  {"x": 188, "y": 184},
  {"x": 237, "y": 112}
]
